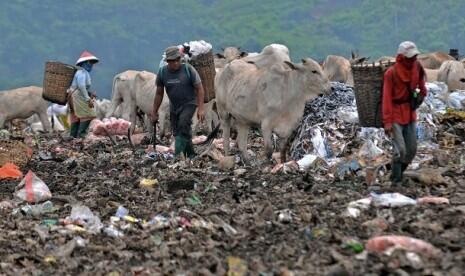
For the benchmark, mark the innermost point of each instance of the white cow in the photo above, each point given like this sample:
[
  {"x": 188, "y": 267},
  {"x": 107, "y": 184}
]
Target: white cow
[
  {"x": 272, "y": 97},
  {"x": 122, "y": 93},
  {"x": 271, "y": 54},
  {"x": 452, "y": 73},
  {"x": 22, "y": 103}
]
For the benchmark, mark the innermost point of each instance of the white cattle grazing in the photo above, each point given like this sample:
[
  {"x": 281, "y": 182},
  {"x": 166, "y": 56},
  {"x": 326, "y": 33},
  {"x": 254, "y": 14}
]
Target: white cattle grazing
[
  {"x": 271, "y": 54},
  {"x": 36, "y": 126},
  {"x": 433, "y": 60},
  {"x": 144, "y": 95},
  {"x": 337, "y": 68},
  {"x": 273, "y": 98},
  {"x": 452, "y": 73},
  {"x": 22, "y": 103},
  {"x": 431, "y": 74},
  {"x": 211, "y": 119},
  {"x": 122, "y": 93}
]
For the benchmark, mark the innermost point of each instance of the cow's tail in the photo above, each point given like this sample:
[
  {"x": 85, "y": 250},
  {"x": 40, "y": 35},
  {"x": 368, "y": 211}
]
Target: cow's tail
[{"x": 114, "y": 103}]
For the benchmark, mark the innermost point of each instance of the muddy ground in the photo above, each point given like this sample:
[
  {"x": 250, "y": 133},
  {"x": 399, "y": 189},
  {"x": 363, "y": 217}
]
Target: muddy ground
[{"x": 283, "y": 224}]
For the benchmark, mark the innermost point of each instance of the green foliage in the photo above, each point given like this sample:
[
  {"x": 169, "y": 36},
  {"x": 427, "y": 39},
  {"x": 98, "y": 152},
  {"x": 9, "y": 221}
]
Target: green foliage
[{"x": 131, "y": 34}]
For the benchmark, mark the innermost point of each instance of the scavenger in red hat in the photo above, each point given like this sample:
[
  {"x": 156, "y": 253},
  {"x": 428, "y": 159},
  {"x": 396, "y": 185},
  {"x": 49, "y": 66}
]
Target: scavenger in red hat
[{"x": 80, "y": 98}]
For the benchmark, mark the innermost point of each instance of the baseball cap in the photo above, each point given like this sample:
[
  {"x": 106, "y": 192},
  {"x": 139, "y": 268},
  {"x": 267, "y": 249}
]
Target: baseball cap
[
  {"x": 172, "y": 53},
  {"x": 408, "y": 49}
]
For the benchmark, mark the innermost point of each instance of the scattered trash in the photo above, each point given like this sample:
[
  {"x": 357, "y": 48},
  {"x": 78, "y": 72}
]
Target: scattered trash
[
  {"x": 121, "y": 212},
  {"x": 355, "y": 207},
  {"x": 194, "y": 200},
  {"x": 83, "y": 216},
  {"x": 110, "y": 126},
  {"x": 237, "y": 266},
  {"x": 111, "y": 231},
  {"x": 387, "y": 244},
  {"x": 391, "y": 200},
  {"x": 148, "y": 183},
  {"x": 427, "y": 176},
  {"x": 285, "y": 216},
  {"x": 433, "y": 200},
  {"x": 10, "y": 170},
  {"x": 354, "y": 245},
  {"x": 38, "y": 209},
  {"x": 32, "y": 189}
]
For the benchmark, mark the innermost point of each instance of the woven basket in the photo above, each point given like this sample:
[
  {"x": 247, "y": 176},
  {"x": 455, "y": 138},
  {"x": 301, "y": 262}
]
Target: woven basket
[
  {"x": 15, "y": 152},
  {"x": 205, "y": 66},
  {"x": 57, "y": 79},
  {"x": 368, "y": 86}
]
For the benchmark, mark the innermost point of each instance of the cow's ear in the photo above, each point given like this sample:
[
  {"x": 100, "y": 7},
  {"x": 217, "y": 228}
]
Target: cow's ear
[
  {"x": 291, "y": 65},
  {"x": 304, "y": 61}
]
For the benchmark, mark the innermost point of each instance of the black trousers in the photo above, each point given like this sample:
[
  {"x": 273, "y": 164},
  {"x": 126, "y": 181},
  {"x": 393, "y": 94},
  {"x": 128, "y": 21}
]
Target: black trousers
[{"x": 181, "y": 121}]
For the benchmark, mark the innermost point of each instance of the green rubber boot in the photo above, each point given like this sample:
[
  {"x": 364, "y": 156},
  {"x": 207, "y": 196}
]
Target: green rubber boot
[
  {"x": 180, "y": 144},
  {"x": 83, "y": 127},
  {"x": 73, "y": 130}
]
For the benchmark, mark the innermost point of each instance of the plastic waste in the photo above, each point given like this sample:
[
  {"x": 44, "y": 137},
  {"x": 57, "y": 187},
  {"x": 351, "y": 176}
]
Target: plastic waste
[
  {"x": 387, "y": 244},
  {"x": 457, "y": 100},
  {"x": 319, "y": 144},
  {"x": 113, "y": 232},
  {"x": 10, "y": 170},
  {"x": 391, "y": 200},
  {"x": 148, "y": 183},
  {"x": 82, "y": 215},
  {"x": 35, "y": 210},
  {"x": 433, "y": 200},
  {"x": 49, "y": 222},
  {"x": 369, "y": 150},
  {"x": 121, "y": 212},
  {"x": 348, "y": 114},
  {"x": 285, "y": 216},
  {"x": 354, "y": 208},
  {"x": 32, "y": 189},
  {"x": 237, "y": 266},
  {"x": 159, "y": 222},
  {"x": 354, "y": 245},
  {"x": 4, "y": 134},
  {"x": 112, "y": 126},
  {"x": 307, "y": 161}
]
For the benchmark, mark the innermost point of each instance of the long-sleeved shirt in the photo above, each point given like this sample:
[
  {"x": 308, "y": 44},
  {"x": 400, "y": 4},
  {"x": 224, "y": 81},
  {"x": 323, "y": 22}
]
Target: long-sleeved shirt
[
  {"x": 396, "y": 99},
  {"x": 82, "y": 82}
]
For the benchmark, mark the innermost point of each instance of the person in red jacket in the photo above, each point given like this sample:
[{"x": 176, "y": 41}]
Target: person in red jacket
[{"x": 404, "y": 82}]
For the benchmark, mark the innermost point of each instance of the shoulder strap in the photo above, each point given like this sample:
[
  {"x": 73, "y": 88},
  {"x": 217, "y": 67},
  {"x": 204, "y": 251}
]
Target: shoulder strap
[{"x": 188, "y": 71}]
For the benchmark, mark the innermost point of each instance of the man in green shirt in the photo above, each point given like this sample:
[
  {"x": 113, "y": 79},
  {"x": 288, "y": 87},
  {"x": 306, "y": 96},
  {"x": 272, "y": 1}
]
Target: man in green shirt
[{"x": 185, "y": 91}]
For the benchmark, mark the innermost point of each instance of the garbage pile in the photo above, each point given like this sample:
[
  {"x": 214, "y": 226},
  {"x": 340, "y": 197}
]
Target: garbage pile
[{"x": 327, "y": 118}]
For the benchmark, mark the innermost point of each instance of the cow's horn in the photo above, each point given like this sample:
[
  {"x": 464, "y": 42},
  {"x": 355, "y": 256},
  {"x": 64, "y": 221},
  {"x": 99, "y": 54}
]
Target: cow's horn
[{"x": 291, "y": 65}]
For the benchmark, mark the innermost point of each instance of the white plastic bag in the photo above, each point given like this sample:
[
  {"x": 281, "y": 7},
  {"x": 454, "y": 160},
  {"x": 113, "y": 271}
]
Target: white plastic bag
[
  {"x": 391, "y": 200},
  {"x": 32, "y": 189},
  {"x": 82, "y": 215},
  {"x": 369, "y": 151}
]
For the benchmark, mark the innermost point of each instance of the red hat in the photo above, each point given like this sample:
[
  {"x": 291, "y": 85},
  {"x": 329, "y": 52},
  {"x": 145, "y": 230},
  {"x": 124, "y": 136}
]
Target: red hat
[{"x": 85, "y": 56}]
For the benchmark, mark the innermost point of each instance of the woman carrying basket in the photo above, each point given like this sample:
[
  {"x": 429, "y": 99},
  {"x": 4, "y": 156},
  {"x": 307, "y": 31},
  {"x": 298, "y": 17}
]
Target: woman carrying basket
[{"x": 81, "y": 100}]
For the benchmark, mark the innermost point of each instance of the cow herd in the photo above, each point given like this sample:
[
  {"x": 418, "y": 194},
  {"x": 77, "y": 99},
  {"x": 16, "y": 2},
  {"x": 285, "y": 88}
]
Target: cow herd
[{"x": 263, "y": 89}]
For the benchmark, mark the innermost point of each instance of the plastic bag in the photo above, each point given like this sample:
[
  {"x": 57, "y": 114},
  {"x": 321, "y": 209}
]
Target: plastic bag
[
  {"x": 82, "y": 215},
  {"x": 32, "y": 189},
  {"x": 112, "y": 125},
  {"x": 318, "y": 142},
  {"x": 386, "y": 244},
  {"x": 457, "y": 100},
  {"x": 307, "y": 161},
  {"x": 369, "y": 151},
  {"x": 10, "y": 170},
  {"x": 391, "y": 200}
]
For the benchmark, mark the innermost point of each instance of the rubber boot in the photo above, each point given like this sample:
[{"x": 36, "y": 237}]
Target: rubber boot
[
  {"x": 83, "y": 127},
  {"x": 396, "y": 174},
  {"x": 74, "y": 129},
  {"x": 189, "y": 151},
  {"x": 180, "y": 144}
]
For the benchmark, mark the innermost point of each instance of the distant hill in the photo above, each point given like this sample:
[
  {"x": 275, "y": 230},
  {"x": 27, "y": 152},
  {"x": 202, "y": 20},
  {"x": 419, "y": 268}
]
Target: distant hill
[{"x": 131, "y": 34}]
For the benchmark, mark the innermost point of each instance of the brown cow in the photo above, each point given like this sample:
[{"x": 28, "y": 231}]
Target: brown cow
[{"x": 433, "y": 60}]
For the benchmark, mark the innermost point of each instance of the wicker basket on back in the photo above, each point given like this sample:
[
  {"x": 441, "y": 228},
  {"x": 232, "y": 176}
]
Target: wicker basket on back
[
  {"x": 205, "y": 66},
  {"x": 57, "y": 79},
  {"x": 16, "y": 152},
  {"x": 368, "y": 85}
]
